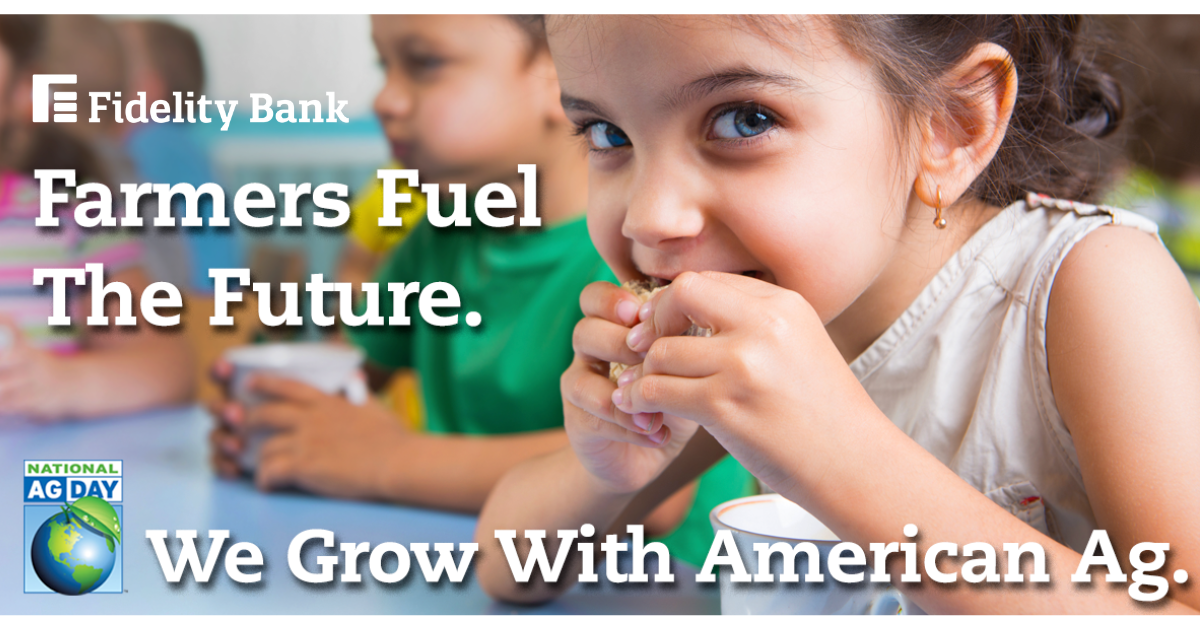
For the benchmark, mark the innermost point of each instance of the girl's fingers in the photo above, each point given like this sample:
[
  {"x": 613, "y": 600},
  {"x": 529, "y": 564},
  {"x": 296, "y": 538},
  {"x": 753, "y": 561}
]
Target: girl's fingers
[
  {"x": 605, "y": 430},
  {"x": 691, "y": 299},
  {"x": 603, "y": 340},
  {"x": 609, "y": 301},
  {"x": 691, "y": 357},
  {"x": 593, "y": 394},
  {"x": 750, "y": 286},
  {"x": 658, "y": 394}
]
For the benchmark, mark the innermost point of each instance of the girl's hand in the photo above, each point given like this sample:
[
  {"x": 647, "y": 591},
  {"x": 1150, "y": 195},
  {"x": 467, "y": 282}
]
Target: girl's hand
[
  {"x": 317, "y": 442},
  {"x": 623, "y": 452},
  {"x": 768, "y": 381},
  {"x": 33, "y": 381}
]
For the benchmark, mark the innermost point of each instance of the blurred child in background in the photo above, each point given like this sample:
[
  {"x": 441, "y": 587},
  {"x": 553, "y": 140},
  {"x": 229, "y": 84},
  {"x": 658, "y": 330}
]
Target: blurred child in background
[
  {"x": 86, "y": 371},
  {"x": 163, "y": 59},
  {"x": 467, "y": 99},
  {"x": 368, "y": 244},
  {"x": 89, "y": 47}
]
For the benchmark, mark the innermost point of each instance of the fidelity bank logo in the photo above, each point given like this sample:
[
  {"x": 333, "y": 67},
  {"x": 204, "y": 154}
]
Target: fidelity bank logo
[
  {"x": 73, "y": 527},
  {"x": 65, "y": 103},
  {"x": 183, "y": 107}
]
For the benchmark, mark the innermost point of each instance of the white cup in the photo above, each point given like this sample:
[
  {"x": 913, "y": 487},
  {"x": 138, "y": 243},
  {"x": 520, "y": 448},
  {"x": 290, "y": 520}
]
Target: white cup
[
  {"x": 331, "y": 368},
  {"x": 770, "y": 519}
]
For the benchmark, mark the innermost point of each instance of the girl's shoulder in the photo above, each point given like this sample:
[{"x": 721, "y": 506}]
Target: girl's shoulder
[
  {"x": 1108, "y": 214},
  {"x": 1024, "y": 246}
]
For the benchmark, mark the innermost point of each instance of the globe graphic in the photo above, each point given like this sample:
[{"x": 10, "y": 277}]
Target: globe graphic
[{"x": 71, "y": 557}]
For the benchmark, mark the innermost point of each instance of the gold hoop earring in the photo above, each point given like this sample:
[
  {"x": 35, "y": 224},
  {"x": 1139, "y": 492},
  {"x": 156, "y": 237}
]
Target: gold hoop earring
[{"x": 938, "y": 220}]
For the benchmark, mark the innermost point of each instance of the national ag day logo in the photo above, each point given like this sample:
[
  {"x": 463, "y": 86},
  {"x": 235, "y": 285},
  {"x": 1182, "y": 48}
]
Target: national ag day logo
[{"x": 73, "y": 526}]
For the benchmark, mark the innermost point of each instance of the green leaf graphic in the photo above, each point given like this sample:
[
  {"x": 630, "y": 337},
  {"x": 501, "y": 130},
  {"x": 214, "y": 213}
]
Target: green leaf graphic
[{"x": 97, "y": 513}]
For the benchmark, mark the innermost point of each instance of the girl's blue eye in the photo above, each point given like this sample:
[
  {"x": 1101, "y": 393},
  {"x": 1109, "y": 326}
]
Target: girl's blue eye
[
  {"x": 602, "y": 135},
  {"x": 744, "y": 122}
]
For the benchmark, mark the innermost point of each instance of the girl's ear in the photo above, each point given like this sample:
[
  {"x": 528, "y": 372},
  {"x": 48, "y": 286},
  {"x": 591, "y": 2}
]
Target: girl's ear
[{"x": 960, "y": 139}]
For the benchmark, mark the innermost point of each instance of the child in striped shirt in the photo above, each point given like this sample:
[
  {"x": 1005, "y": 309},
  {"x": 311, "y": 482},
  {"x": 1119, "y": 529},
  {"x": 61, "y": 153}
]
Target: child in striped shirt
[{"x": 49, "y": 372}]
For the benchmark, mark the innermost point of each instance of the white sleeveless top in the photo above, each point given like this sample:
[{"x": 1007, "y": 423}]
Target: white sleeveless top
[{"x": 964, "y": 373}]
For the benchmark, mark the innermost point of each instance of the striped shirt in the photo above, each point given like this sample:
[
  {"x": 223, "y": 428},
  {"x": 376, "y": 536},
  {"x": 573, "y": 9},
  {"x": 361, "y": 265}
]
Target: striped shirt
[{"x": 24, "y": 247}]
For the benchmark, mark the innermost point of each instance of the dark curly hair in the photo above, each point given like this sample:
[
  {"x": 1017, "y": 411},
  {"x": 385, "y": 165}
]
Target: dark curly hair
[
  {"x": 1066, "y": 99},
  {"x": 21, "y": 36}
]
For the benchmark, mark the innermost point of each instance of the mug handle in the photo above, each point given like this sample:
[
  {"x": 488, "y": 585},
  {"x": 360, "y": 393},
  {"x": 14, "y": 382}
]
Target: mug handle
[
  {"x": 355, "y": 390},
  {"x": 891, "y": 602}
]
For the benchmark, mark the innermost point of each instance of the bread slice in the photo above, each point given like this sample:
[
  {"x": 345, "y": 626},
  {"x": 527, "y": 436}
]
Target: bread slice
[{"x": 643, "y": 290}]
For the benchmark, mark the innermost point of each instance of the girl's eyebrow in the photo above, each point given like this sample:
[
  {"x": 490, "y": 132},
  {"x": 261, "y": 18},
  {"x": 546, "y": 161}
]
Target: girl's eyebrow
[
  {"x": 570, "y": 103},
  {"x": 739, "y": 77}
]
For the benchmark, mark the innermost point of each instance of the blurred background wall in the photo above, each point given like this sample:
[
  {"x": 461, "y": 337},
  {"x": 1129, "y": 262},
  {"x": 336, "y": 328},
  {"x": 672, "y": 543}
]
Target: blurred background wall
[{"x": 291, "y": 57}]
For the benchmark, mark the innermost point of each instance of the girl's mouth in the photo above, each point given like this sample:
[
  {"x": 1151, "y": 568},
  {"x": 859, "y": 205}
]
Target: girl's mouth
[{"x": 657, "y": 282}]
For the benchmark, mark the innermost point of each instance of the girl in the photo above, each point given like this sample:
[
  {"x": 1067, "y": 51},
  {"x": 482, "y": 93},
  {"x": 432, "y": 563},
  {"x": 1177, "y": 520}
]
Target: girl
[
  {"x": 900, "y": 333},
  {"x": 467, "y": 99}
]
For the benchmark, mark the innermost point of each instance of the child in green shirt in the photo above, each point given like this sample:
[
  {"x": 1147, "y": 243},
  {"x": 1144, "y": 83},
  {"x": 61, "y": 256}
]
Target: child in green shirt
[{"x": 467, "y": 99}]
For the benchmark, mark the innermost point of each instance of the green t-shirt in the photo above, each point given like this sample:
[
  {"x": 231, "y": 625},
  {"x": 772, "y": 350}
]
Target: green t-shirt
[{"x": 503, "y": 376}]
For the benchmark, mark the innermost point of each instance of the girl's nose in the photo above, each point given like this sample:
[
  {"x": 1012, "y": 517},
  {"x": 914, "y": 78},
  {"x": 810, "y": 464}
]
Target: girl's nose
[
  {"x": 662, "y": 209},
  {"x": 395, "y": 100}
]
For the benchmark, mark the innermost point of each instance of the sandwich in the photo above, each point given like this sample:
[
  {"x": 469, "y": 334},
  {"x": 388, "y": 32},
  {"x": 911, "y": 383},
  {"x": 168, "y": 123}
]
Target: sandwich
[{"x": 644, "y": 290}]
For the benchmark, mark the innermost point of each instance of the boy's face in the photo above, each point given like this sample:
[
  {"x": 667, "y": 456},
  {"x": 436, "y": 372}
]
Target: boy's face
[
  {"x": 463, "y": 101},
  {"x": 714, "y": 148}
]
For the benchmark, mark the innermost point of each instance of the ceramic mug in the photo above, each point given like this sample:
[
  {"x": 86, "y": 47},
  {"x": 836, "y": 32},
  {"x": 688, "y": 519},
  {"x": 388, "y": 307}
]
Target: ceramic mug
[
  {"x": 772, "y": 519},
  {"x": 331, "y": 368}
]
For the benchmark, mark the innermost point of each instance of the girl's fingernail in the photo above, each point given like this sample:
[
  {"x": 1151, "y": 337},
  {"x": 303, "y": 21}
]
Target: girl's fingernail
[
  {"x": 627, "y": 312},
  {"x": 645, "y": 311},
  {"x": 659, "y": 436},
  {"x": 635, "y": 336},
  {"x": 626, "y": 377},
  {"x": 643, "y": 421},
  {"x": 618, "y": 396}
]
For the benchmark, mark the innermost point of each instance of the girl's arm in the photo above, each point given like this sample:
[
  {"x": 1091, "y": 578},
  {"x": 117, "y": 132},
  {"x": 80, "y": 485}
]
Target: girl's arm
[
  {"x": 556, "y": 492},
  {"x": 1124, "y": 352},
  {"x": 118, "y": 370},
  {"x": 616, "y": 470},
  {"x": 778, "y": 395},
  {"x": 1123, "y": 344},
  {"x": 323, "y": 444},
  {"x": 456, "y": 472}
]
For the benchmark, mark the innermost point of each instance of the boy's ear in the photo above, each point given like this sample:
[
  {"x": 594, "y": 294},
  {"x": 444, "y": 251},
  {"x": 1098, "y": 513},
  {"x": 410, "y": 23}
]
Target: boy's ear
[
  {"x": 959, "y": 139},
  {"x": 543, "y": 70}
]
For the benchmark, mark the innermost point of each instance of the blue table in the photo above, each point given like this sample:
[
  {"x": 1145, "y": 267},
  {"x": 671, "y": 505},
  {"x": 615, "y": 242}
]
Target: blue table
[{"x": 169, "y": 485}]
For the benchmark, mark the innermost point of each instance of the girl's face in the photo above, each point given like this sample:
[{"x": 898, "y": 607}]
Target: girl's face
[
  {"x": 6, "y": 79},
  {"x": 713, "y": 147},
  {"x": 463, "y": 102}
]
